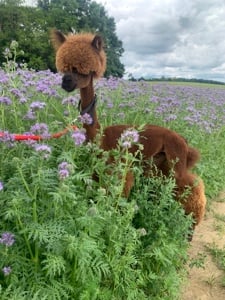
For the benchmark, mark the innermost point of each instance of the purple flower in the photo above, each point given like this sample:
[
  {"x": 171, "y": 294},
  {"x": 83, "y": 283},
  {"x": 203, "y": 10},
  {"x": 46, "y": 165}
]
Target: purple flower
[
  {"x": 70, "y": 100},
  {"x": 6, "y": 270},
  {"x": 43, "y": 149},
  {"x": 1, "y": 186},
  {"x": 16, "y": 92},
  {"x": 110, "y": 105},
  {"x": 85, "y": 119},
  {"x": 5, "y": 100},
  {"x": 63, "y": 174},
  {"x": 7, "y": 239},
  {"x": 129, "y": 137},
  {"x": 4, "y": 78},
  {"x": 23, "y": 100},
  {"x": 37, "y": 105},
  {"x": 170, "y": 117},
  {"x": 40, "y": 128},
  {"x": 29, "y": 142},
  {"x": 7, "y": 138},
  {"x": 64, "y": 170},
  {"x": 79, "y": 137},
  {"x": 30, "y": 115},
  {"x": 42, "y": 87},
  {"x": 64, "y": 165}
]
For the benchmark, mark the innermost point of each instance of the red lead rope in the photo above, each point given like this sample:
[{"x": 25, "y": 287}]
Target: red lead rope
[{"x": 24, "y": 137}]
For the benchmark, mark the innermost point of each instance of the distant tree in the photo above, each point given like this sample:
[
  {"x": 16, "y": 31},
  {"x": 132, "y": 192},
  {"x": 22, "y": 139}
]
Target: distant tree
[
  {"x": 43, "y": 4},
  {"x": 30, "y": 26},
  {"x": 60, "y": 14},
  {"x": 26, "y": 25},
  {"x": 98, "y": 20},
  {"x": 86, "y": 15}
]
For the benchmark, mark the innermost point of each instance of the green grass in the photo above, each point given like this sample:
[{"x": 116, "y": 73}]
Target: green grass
[{"x": 77, "y": 238}]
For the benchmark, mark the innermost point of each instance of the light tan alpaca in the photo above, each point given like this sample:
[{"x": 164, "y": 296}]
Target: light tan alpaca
[{"x": 81, "y": 58}]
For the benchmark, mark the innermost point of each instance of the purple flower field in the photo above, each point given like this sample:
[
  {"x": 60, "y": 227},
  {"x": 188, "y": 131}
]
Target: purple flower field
[
  {"x": 195, "y": 105},
  {"x": 63, "y": 233},
  {"x": 32, "y": 96},
  {"x": 34, "y": 103}
]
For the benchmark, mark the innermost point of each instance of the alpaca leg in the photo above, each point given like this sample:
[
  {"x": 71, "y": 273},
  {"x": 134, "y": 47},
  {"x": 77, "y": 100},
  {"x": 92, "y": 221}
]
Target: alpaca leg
[
  {"x": 176, "y": 150},
  {"x": 195, "y": 202},
  {"x": 193, "y": 157},
  {"x": 129, "y": 183}
]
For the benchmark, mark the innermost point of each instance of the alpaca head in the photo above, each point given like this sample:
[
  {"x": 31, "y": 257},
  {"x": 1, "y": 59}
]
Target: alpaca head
[{"x": 80, "y": 57}]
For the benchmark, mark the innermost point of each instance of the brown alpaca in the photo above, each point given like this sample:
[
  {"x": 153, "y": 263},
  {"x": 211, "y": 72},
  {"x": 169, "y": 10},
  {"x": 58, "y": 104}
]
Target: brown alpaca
[{"x": 81, "y": 58}]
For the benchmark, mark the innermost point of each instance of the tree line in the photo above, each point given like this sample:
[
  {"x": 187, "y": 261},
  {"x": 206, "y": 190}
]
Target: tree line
[
  {"x": 178, "y": 79},
  {"x": 30, "y": 27}
]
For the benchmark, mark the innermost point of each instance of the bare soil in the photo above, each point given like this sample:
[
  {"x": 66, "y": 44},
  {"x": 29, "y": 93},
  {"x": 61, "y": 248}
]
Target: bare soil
[{"x": 206, "y": 283}]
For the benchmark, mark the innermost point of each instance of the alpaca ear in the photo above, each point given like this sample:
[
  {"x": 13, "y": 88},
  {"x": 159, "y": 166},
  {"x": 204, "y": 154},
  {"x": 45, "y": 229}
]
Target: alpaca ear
[
  {"x": 57, "y": 38},
  {"x": 97, "y": 43}
]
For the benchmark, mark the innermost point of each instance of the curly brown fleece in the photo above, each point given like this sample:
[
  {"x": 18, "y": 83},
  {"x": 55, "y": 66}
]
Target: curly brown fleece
[{"x": 76, "y": 52}]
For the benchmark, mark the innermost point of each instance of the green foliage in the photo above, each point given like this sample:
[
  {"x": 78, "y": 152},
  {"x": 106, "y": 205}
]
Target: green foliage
[
  {"x": 70, "y": 236},
  {"x": 198, "y": 261},
  {"x": 30, "y": 26},
  {"x": 164, "y": 242},
  {"x": 77, "y": 240},
  {"x": 218, "y": 254}
]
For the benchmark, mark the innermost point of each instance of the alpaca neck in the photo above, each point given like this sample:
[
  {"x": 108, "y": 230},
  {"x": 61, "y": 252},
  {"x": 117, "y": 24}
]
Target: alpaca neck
[{"x": 88, "y": 103}]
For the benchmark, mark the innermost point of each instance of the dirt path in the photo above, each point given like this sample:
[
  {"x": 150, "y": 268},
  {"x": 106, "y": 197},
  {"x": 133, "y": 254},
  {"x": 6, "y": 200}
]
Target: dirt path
[{"x": 205, "y": 283}]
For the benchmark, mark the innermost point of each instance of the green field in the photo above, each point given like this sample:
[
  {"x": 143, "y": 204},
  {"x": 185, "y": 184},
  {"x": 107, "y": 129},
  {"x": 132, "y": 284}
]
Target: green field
[{"x": 64, "y": 235}]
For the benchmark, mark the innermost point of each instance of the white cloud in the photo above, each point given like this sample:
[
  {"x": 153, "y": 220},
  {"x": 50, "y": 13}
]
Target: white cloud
[{"x": 171, "y": 37}]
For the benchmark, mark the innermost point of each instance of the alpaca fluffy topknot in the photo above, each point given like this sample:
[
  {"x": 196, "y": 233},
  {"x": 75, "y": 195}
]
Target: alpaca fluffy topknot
[{"x": 83, "y": 52}]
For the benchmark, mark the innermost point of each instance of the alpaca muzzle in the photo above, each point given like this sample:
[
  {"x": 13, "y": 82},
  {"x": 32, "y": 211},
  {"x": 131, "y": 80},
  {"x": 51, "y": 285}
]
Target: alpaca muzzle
[{"x": 68, "y": 83}]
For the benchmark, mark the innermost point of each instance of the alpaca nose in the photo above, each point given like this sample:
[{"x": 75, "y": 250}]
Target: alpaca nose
[
  {"x": 67, "y": 82},
  {"x": 67, "y": 79}
]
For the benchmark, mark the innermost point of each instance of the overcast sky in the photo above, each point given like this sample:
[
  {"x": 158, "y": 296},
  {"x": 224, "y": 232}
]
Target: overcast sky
[{"x": 171, "y": 37}]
